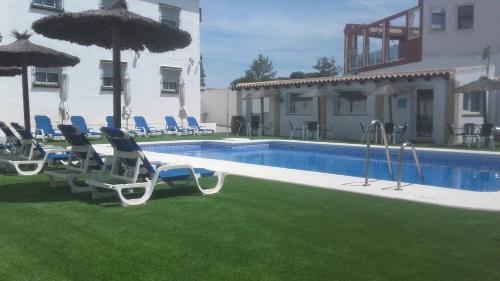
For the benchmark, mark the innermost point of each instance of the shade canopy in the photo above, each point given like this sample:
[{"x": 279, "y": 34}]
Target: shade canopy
[
  {"x": 117, "y": 28},
  {"x": 63, "y": 98},
  {"x": 22, "y": 53},
  {"x": 25, "y": 53},
  {"x": 95, "y": 27},
  {"x": 10, "y": 71},
  {"x": 182, "y": 101},
  {"x": 484, "y": 84}
]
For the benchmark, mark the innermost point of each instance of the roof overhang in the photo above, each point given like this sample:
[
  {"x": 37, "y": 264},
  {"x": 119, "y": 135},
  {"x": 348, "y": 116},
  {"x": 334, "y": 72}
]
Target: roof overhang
[{"x": 348, "y": 79}]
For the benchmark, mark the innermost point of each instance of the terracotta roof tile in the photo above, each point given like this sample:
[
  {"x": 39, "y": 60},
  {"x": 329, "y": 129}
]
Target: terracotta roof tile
[{"x": 445, "y": 73}]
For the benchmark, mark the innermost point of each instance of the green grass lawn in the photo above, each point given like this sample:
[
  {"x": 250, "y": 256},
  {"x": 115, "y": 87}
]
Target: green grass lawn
[{"x": 252, "y": 230}]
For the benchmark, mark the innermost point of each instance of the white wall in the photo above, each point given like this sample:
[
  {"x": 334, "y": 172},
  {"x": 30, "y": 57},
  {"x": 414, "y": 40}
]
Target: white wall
[
  {"x": 85, "y": 95},
  {"x": 220, "y": 105}
]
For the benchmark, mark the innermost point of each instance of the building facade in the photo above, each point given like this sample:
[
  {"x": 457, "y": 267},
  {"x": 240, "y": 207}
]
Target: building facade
[
  {"x": 154, "y": 80},
  {"x": 426, "y": 51}
]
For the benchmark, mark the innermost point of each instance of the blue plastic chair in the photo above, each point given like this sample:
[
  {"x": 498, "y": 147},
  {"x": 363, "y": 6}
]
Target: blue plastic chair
[
  {"x": 45, "y": 130},
  {"x": 132, "y": 171},
  {"x": 173, "y": 127},
  {"x": 193, "y": 124},
  {"x": 79, "y": 122},
  {"x": 142, "y": 126}
]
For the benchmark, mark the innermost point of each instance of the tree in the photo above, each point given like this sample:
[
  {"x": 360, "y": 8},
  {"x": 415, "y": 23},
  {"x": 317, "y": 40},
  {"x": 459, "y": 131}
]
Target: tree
[
  {"x": 297, "y": 75},
  {"x": 203, "y": 75},
  {"x": 260, "y": 70},
  {"x": 326, "y": 66}
]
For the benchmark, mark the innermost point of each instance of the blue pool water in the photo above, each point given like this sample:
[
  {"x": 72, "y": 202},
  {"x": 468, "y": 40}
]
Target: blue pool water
[{"x": 476, "y": 172}]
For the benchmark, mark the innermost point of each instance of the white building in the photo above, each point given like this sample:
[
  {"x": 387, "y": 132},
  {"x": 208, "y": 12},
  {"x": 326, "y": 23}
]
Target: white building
[
  {"x": 427, "y": 50},
  {"x": 155, "y": 79},
  {"x": 218, "y": 106}
]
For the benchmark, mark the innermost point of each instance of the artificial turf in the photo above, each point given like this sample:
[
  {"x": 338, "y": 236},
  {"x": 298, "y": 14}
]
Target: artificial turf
[{"x": 253, "y": 230}]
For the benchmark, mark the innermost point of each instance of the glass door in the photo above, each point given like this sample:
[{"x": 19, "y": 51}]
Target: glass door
[{"x": 425, "y": 109}]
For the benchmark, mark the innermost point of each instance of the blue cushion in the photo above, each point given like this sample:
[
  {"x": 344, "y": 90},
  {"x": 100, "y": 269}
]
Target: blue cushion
[
  {"x": 183, "y": 174},
  {"x": 58, "y": 157}
]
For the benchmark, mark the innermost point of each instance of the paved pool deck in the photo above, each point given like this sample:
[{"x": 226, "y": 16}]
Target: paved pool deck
[{"x": 486, "y": 201}]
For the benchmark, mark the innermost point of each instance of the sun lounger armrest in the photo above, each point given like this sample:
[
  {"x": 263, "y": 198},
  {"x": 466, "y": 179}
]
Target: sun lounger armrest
[{"x": 141, "y": 129}]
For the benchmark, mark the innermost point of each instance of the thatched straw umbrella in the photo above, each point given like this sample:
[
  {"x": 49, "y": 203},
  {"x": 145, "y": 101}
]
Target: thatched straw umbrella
[
  {"x": 10, "y": 71},
  {"x": 115, "y": 28},
  {"x": 23, "y": 53}
]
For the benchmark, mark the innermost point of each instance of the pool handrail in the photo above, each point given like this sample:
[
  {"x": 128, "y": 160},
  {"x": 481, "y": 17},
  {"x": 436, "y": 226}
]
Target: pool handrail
[{"x": 370, "y": 131}]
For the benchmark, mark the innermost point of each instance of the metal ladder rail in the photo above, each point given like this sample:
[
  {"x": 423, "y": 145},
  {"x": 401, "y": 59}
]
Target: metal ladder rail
[
  {"x": 369, "y": 135},
  {"x": 400, "y": 162}
]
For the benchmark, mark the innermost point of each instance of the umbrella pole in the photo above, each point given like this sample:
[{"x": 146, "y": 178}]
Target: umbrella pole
[
  {"x": 117, "y": 81},
  {"x": 26, "y": 99}
]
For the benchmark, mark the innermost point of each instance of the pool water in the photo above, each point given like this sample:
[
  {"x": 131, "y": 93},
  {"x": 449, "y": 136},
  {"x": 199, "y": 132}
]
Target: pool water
[{"x": 475, "y": 172}]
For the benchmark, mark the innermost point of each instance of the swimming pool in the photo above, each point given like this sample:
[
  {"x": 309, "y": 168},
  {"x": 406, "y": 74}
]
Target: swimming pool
[{"x": 467, "y": 171}]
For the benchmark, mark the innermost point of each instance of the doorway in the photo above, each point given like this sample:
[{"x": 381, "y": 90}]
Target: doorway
[{"x": 425, "y": 113}]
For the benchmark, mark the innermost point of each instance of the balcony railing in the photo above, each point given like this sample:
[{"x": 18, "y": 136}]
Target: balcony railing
[
  {"x": 356, "y": 61},
  {"x": 375, "y": 57},
  {"x": 396, "y": 52}
]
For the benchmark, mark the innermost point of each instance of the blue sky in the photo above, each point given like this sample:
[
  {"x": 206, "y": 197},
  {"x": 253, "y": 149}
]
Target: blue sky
[{"x": 293, "y": 33}]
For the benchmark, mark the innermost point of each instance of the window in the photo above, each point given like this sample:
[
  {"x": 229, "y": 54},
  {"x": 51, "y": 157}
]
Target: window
[
  {"x": 46, "y": 76},
  {"x": 107, "y": 74},
  {"x": 48, "y": 4},
  {"x": 170, "y": 16},
  {"x": 103, "y": 4},
  {"x": 438, "y": 15},
  {"x": 351, "y": 103},
  {"x": 473, "y": 102},
  {"x": 465, "y": 17},
  {"x": 170, "y": 80},
  {"x": 300, "y": 105}
]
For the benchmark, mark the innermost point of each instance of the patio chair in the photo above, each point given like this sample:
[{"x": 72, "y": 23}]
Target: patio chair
[
  {"x": 44, "y": 129},
  {"x": 487, "y": 134},
  {"x": 12, "y": 142},
  {"x": 193, "y": 124},
  {"x": 454, "y": 133},
  {"x": 364, "y": 132},
  {"x": 241, "y": 125},
  {"x": 131, "y": 171},
  {"x": 253, "y": 126},
  {"x": 390, "y": 130},
  {"x": 173, "y": 127},
  {"x": 266, "y": 128},
  {"x": 32, "y": 157},
  {"x": 83, "y": 161},
  {"x": 471, "y": 134},
  {"x": 293, "y": 129},
  {"x": 311, "y": 128},
  {"x": 79, "y": 122},
  {"x": 400, "y": 132},
  {"x": 142, "y": 126}
]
